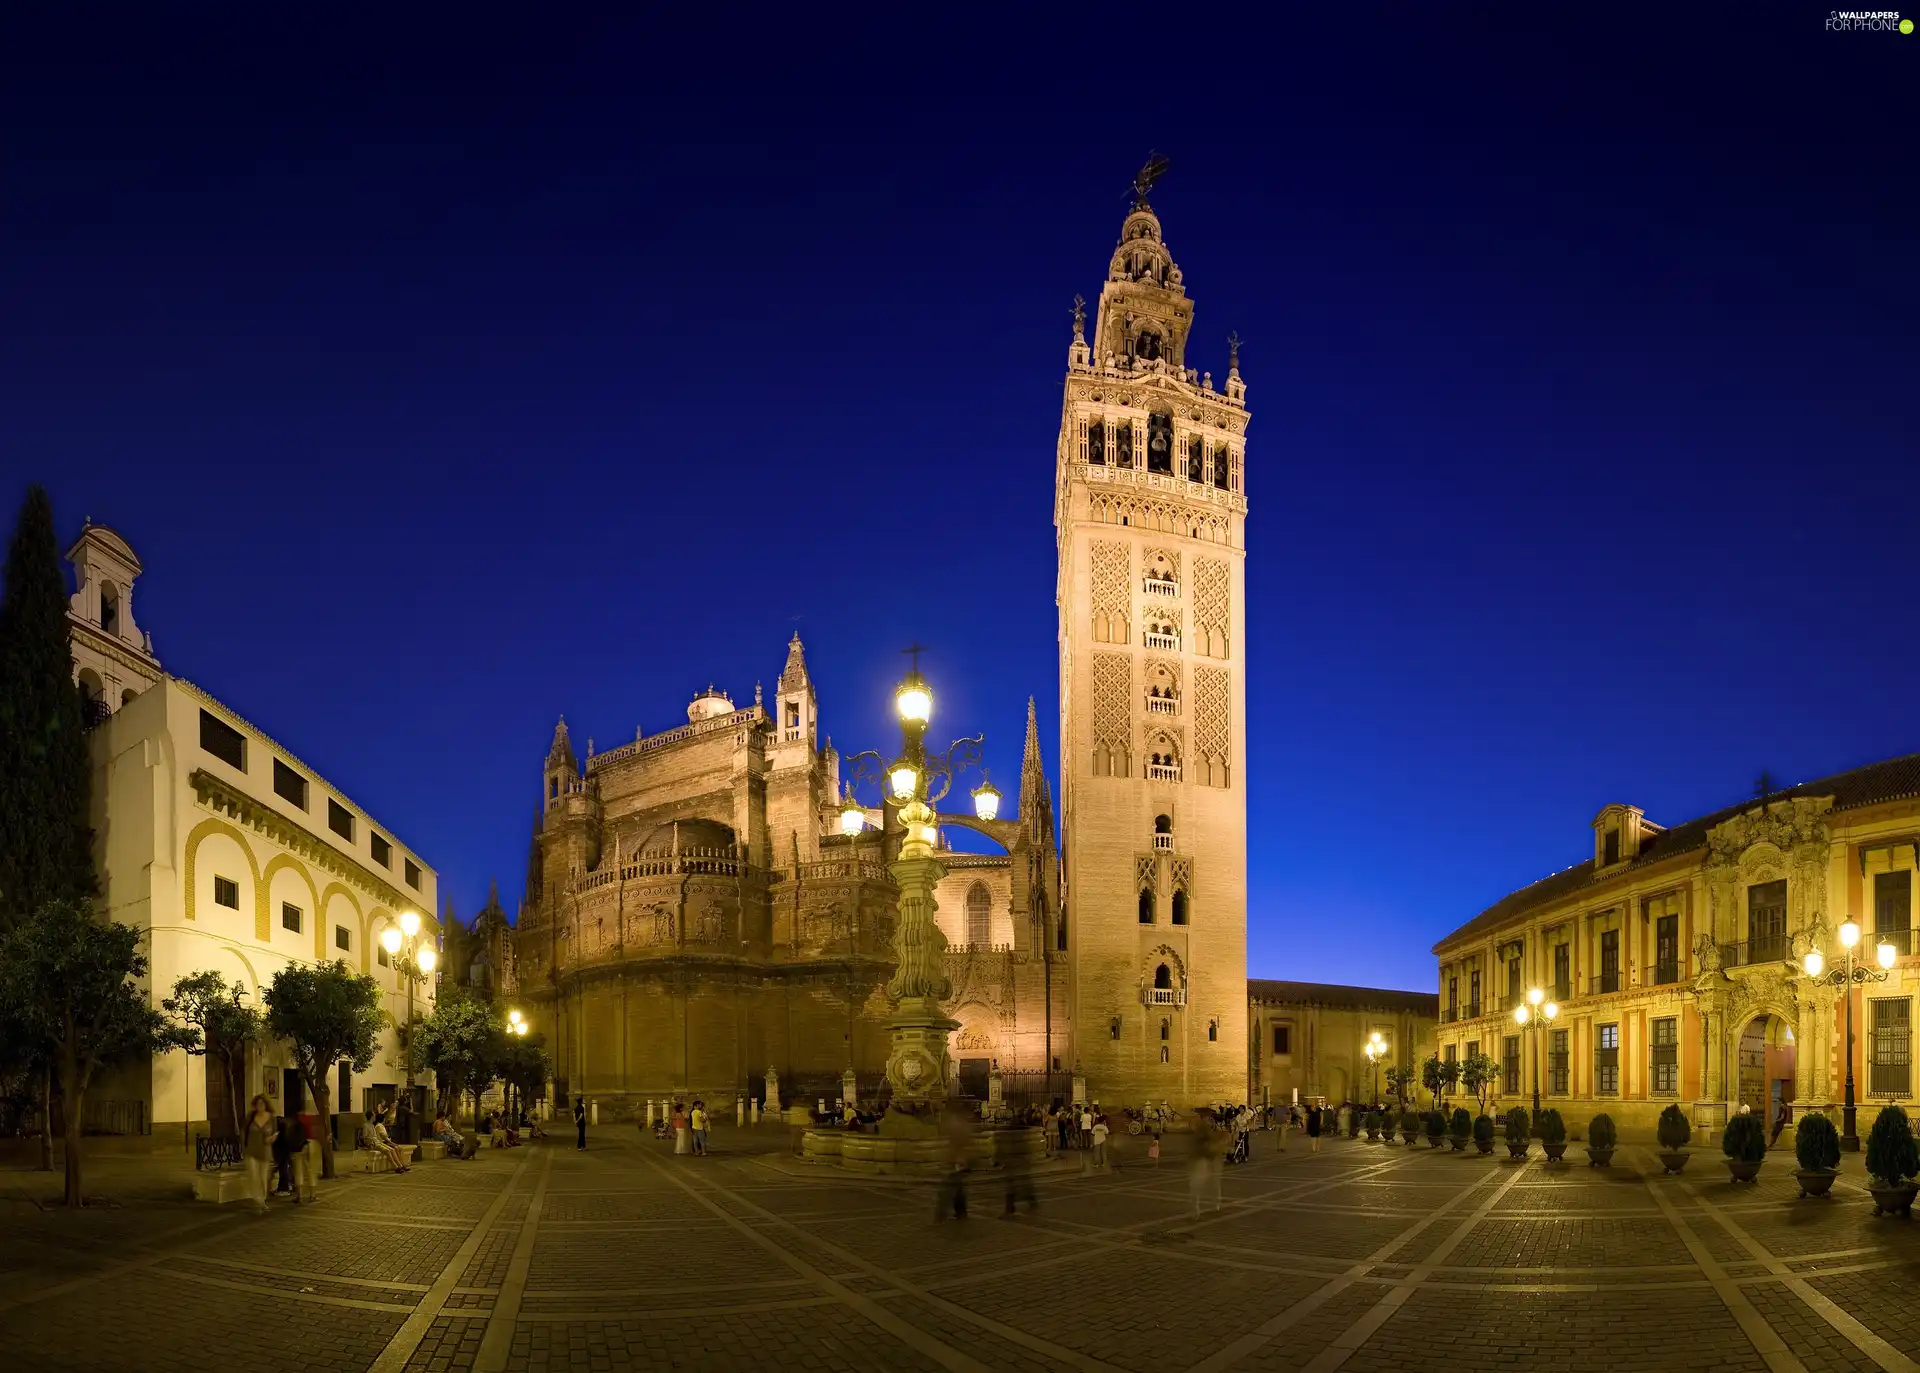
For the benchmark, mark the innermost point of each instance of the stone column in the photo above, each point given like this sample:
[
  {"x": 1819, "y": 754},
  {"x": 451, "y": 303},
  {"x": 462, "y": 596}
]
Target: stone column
[
  {"x": 849, "y": 1085},
  {"x": 773, "y": 1092},
  {"x": 918, "y": 1066}
]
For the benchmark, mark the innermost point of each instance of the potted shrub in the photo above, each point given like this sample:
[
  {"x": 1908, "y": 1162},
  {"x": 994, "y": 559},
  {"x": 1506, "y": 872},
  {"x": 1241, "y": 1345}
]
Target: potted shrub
[
  {"x": 1519, "y": 1132},
  {"x": 1601, "y": 1139},
  {"x": 1461, "y": 1129},
  {"x": 1816, "y": 1144},
  {"x": 1673, "y": 1131},
  {"x": 1409, "y": 1126},
  {"x": 1436, "y": 1127},
  {"x": 1373, "y": 1127},
  {"x": 1892, "y": 1160},
  {"x": 1483, "y": 1133},
  {"x": 1744, "y": 1142},
  {"x": 1353, "y": 1123},
  {"x": 1553, "y": 1133}
]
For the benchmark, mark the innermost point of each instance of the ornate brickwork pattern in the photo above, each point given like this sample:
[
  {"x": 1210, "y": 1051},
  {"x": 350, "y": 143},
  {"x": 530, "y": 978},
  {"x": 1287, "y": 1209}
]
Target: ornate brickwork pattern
[
  {"x": 1110, "y": 563},
  {"x": 1212, "y": 720},
  {"x": 1183, "y": 874},
  {"x": 1211, "y": 608},
  {"x": 1113, "y": 700}
]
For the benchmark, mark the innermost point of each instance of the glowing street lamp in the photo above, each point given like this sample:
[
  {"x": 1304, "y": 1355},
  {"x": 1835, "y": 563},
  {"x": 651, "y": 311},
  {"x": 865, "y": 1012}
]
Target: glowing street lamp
[
  {"x": 1844, "y": 979},
  {"x": 986, "y": 800},
  {"x": 414, "y": 959},
  {"x": 1533, "y": 1014}
]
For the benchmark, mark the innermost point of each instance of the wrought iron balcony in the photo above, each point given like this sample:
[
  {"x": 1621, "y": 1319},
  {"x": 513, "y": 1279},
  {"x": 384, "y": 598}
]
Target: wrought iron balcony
[
  {"x": 1664, "y": 973},
  {"x": 1604, "y": 983},
  {"x": 1772, "y": 948},
  {"x": 93, "y": 711}
]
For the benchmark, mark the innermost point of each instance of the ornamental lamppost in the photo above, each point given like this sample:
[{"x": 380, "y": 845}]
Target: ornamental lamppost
[
  {"x": 1846, "y": 979},
  {"x": 1376, "y": 1049},
  {"x": 1530, "y": 1013},
  {"x": 415, "y": 961},
  {"x": 515, "y": 1026},
  {"x": 918, "y": 1066}
]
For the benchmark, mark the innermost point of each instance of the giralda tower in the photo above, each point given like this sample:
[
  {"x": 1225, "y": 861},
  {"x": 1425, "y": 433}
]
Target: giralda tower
[{"x": 1150, "y": 509}]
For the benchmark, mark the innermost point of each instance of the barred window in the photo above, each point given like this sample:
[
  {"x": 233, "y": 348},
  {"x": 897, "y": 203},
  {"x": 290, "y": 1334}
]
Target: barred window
[
  {"x": 1557, "y": 1064},
  {"x": 1606, "y": 1061},
  {"x": 1666, "y": 1056},
  {"x": 1510, "y": 1062},
  {"x": 1889, "y": 1045},
  {"x": 1892, "y": 902}
]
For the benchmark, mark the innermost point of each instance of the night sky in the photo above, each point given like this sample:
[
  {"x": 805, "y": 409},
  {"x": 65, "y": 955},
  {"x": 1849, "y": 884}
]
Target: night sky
[{"x": 448, "y": 379}]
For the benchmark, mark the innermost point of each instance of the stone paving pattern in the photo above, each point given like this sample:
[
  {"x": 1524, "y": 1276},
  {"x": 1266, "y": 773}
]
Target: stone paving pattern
[{"x": 627, "y": 1257}]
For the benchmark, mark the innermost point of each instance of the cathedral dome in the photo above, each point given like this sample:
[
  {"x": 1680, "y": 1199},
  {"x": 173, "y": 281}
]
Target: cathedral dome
[
  {"x": 709, "y": 705},
  {"x": 693, "y": 834}
]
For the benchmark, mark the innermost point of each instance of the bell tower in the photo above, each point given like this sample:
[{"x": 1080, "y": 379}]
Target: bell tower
[{"x": 1150, "y": 510}]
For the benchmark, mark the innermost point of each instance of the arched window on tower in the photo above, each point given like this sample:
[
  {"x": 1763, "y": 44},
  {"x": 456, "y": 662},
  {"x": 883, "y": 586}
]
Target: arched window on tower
[
  {"x": 1179, "y": 908},
  {"x": 1146, "y": 345},
  {"x": 1123, "y": 445},
  {"x": 1162, "y": 979},
  {"x": 1166, "y": 1028},
  {"x": 109, "y": 608},
  {"x": 1160, "y": 444},
  {"x": 979, "y": 915},
  {"x": 1146, "y": 906},
  {"x": 1196, "y": 459},
  {"x": 1222, "y": 468},
  {"x": 1096, "y": 442}
]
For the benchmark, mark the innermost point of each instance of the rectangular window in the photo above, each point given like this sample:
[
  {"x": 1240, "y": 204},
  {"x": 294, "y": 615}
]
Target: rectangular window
[
  {"x": 1283, "y": 1039},
  {"x": 1666, "y": 1056},
  {"x": 1606, "y": 1061},
  {"x": 1510, "y": 1064},
  {"x": 290, "y": 916},
  {"x": 1666, "y": 949},
  {"x": 1562, "y": 972},
  {"x": 1766, "y": 922},
  {"x": 1892, "y": 902},
  {"x": 1452, "y": 1051},
  {"x": 382, "y": 850},
  {"x": 380, "y": 953},
  {"x": 223, "y": 741},
  {"x": 226, "y": 892},
  {"x": 413, "y": 874},
  {"x": 1557, "y": 1064},
  {"x": 1473, "y": 994},
  {"x": 1513, "y": 982},
  {"x": 1611, "y": 853},
  {"x": 339, "y": 819},
  {"x": 1609, "y": 979},
  {"x": 289, "y": 785},
  {"x": 342, "y": 940},
  {"x": 1889, "y": 1046},
  {"x": 1453, "y": 998}
]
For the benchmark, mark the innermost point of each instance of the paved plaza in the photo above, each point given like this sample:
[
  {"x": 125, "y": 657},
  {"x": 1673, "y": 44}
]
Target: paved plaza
[{"x": 627, "y": 1257}]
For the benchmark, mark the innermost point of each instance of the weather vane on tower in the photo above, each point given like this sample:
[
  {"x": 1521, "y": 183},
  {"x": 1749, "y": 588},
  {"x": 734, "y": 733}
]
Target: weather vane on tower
[{"x": 1144, "y": 179}]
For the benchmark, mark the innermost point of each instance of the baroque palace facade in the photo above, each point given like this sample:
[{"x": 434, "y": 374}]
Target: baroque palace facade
[
  {"x": 694, "y": 919},
  {"x": 1676, "y": 958}
]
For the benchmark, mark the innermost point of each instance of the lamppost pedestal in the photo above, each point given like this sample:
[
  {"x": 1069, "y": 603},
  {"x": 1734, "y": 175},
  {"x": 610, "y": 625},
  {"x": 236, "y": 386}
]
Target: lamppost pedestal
[{"x": 918, "y": 1064}]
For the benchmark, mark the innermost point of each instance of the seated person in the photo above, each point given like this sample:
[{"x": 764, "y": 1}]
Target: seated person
[
  {"x": 377, "y": 1136},
  {"x": 444, "y": 1132}
]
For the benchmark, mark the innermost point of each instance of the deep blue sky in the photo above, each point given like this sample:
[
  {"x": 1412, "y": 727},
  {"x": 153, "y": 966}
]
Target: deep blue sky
[{"x": 449, "y": 379}]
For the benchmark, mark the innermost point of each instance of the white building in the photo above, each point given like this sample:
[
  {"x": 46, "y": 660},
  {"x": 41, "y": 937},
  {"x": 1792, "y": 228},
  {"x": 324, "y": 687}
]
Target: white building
[{"x": 233, "y": 854}]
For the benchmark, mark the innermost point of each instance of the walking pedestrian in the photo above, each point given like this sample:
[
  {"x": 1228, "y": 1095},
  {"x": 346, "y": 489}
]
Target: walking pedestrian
[
  {"x": 1065, "y": 1120},
  {"x": 299, "y": 1159},
  {"x": 282, "y": 1163},
  {"x": 1153, "y": 1150},
  {"x": 682, "y": 1135},
  {"x": 258, "y": 1148},
  {"x": 1313, "y": 1127},
  {"x": 957, "y": 1129},
  {"x": 1100, "y": 1133},
  {"x": 699, "y": 1123},
  {"x": 1200, "y": 1175},
  {"x": 580, "y": 1121}
]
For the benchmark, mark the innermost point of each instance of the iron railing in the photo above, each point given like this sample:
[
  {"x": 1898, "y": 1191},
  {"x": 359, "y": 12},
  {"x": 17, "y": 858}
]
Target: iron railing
[
  {"x": 1772, "y": 948},
  {"x": 1603, "y": 983}
]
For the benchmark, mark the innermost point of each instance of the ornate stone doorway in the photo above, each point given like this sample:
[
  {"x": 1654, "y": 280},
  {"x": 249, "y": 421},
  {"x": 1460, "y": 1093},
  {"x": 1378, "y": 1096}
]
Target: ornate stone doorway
[{"x": 1766, "y": 1053}]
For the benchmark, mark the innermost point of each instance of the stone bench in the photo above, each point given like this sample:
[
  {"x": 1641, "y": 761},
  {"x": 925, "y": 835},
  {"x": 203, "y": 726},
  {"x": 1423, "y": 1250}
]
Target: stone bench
[
  {"x": 221, "y": 1186},
  {"x": 431, "y": 1149},
  {"x": 376, "y": 1160}
]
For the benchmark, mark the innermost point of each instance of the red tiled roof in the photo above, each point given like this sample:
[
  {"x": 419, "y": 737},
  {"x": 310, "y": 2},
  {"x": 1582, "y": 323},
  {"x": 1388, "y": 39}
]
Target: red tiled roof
[
  {"x": 1332, "y": 994},
  {"x": 1892, "y": 780}
]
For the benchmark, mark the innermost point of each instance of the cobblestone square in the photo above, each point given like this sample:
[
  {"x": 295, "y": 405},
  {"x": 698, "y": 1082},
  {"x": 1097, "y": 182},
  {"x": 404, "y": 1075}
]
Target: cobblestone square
[{"x": 627, "y": 1257}]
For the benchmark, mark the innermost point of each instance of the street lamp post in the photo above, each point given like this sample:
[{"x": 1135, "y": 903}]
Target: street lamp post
[
  {"x": 515, "y": 1026},
  {"x": 415, "y": 961},
  {"x": 1376, "y": 1049},
  {"x": 1531, "y": 1013},
  {"x": 1845, "y": 979},
  {"x": 918, "y": 1066}
]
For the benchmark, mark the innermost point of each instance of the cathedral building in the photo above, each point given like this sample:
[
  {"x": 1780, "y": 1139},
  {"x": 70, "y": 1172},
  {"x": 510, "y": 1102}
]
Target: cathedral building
[{"x": 694, "y": 916}]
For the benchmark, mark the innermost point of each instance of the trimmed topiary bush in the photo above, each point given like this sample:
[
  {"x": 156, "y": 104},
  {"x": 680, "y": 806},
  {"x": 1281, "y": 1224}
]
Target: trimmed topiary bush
[
  {"x": 1462, "y": 1123},
  {"x": 1817, "y": 1144},
  {"x": 1600, "y": 1133},
  {"x": 1745, "y": 1139},
  {"x": 1891, "y": 1153},
  {"x": 1519, "y": 1126},
  {"x": 1409, "y": 1125},
  {"x": 1674, "y": 1130},
  {"x": 1435, "y": 1124},
  {"x": 1483, "y": 1133},
  {"x": 1549, "y": 1127}
]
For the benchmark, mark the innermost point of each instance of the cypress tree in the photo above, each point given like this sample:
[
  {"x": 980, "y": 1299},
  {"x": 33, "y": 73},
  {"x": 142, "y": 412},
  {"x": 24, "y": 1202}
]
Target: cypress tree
[{"x": 46, "y": 845}]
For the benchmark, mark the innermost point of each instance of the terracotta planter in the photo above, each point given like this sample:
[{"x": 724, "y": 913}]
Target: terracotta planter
[
  {"x": 1895, "y": 1200},
  {"x": 1599, "y": 1158},
  {"x": 1555, "y": 1151},
  {"x": 1744, "y": 1170},
  {"x": 1816, "y": 1182},
  {"x": 1516, "y": 1151},
  {"x": 1459, "y": 1142},
  {"x": 1673, "y": 1160}
]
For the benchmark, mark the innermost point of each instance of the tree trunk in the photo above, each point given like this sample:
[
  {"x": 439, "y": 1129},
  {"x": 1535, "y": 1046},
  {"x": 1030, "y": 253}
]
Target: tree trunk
[
  {"x": 72, "y": 1105},
  {"x": 233, "y": 1092},
  {"x": 323, "y": 1107},
  {"x": 46, "y": 1116}
]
